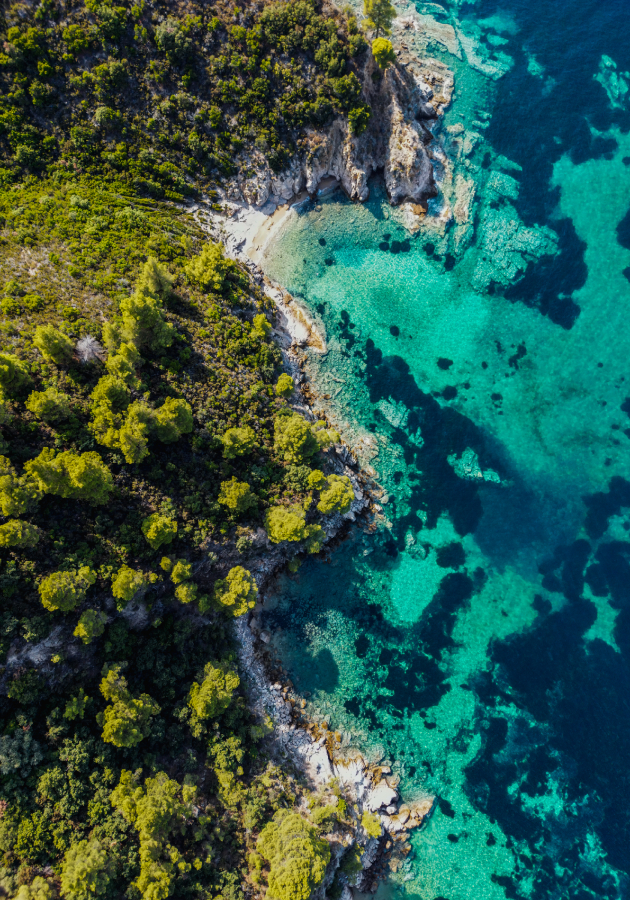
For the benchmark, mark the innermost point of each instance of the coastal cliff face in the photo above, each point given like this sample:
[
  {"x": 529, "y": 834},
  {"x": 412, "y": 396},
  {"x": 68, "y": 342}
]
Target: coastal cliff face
[{"x": 397, "y": 142}]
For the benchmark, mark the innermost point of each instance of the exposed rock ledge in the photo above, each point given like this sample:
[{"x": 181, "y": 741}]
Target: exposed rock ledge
[{"x": 396, "y": 140}]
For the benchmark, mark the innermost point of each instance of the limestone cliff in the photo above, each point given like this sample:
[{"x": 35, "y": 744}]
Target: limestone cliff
[{"x": 396, "y": 142}]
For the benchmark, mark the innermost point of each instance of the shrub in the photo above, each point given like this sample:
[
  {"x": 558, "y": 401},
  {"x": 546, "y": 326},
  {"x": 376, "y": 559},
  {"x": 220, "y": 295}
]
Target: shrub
[
  {"x": 261, "y": 327},
  {"x": 133, "y": 437},
  {"x": 172, "y": 419},
  {"x": 15, "y": 533},
  {"x": 213, "y": 696},
  {"x": 86, "y": 871},
  {"x": 383, "y": 52},
  {"x": 17, "y": 495},
  {"x": 372, "y": 824},
  {"x": 123, "y": 364},
  {"x": 50, "y": 405},
  {"x": 128, "y": 720},
  {"x": 294, "y": 440},
  {"x": 315, "y": 537},
  {"x": 337, "y": 496},
  {"x": 210, "y": 269},
  {"x": 53, "y": 344},
  {"x": 62, "y": 591},
  {"x": 13, "y": 374},
  {"x": 181, "y": 571},
  {"x": 284, "y": 385},
  {"x": 236, "y": 495},
  {"x": 143, "y": 323},
  {"x": 127, "y": 584},
  {"x": 77, "y": 476},
  {"x": 159, "y": 530},
  {"x": 38, "y": 889},
  {"x": 358, "y": 119},
  {"x": 238, "y": 441},
  {"x": 186, "y": 592},
  {"x": 170, "y": 38},
  {"x": 154, "y": 281},
  {"x": 285, "y": 523},
  {"x": 316, "y": 480},
  {"x": 91, "y": 625},
  {"x": 237, "y": 592},
  {"x": 379, "y": 15},
  {"x": 76, "y": 706},
  {"x": 297, "y": 856}
]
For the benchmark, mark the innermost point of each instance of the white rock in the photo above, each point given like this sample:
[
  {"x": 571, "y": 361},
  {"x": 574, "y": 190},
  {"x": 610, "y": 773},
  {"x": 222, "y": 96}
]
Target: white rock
[{"x": 379, "y": 796}]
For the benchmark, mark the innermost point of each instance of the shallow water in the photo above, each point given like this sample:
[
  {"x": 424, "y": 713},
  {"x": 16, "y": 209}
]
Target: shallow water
[{"x": 481, "y": 637}]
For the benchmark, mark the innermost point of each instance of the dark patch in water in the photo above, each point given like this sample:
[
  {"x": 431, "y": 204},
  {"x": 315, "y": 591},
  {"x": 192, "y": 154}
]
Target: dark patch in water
[
  {"x": 449, "y": 262},
  {"x": 384, "y": 246},
  {"x": 623, "y": 231},
  {"x": 330, "y": 261},
  {"x": 444, "y": 363},
  {"x": 446, "y": 808},
  {"x": 361, "y": 646},
  {"x": 449, "y": 392},
  {"x": 451, "y": 557},
  {"x": 429, "y": 249},
  {"x": 394, "y": 330},
  {"x": 521, "y": 351},
  {"x": 322, "y": 242}
]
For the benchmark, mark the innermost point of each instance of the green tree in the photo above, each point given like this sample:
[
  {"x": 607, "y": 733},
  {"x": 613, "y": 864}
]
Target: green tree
[
  {"x": 133, "y": 437},
  {"x": 15, "y": 533},
  {"x": 154, "y": 281},
  {"x": 383, "y": 52},
  {"x": 159, "y": 530},
  {"x": 91, "y": 625},
  {"x": 13, "y": 374},
  {"x": 143, "y": 323},
  {"x": 186, "y": 592},
  {"x": 181, "y": 571},
  {"x": 380, "y": 15},
  {"x": 358, "y": 119},
  {"x": 123, "y": 364},
  {"x": 77, "y": 476},
  {"x": 236, "y": 495},
  {"x": 127, "y": 721},
  {"x": 110, "y": 399},
  {"x": 62, "y": 591},
  {"x": 38, "y": 889},
  {"x": 316, "y": 480},
  {"x": 372, "y": 824},
  {"x": 53, "y": 344},
  {"x": 212, "y": 696},
  {"x": 285, "y": 523},
  {"x": 76, "y": 706},
  {"x": 284, "y": 385},
  {"x": 297, "y": 856},
  {"x": 261, "y": 327},
  {"x": 337, "y": 496},
  {"x": 238, "y": 441},
  {"x": 237, "y": 591},
  {"x": 127, "y": 584},
  {"x": 315, "y": 537},
  {"x": 86, "y": 871},
  {"x": 210, "y": 269},
  {"x": 172, "y": 419},
  {"x": 294, "y": 440},
  {"x": 18, "y": 495},
  {"x": 50, "y": 405}
]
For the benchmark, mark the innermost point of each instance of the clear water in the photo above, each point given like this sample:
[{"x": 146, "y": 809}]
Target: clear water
[{"x": 481, "y": 637}]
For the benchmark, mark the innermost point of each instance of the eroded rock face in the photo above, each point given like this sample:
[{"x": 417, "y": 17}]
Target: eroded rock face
[{"x": 396, "y": 141}]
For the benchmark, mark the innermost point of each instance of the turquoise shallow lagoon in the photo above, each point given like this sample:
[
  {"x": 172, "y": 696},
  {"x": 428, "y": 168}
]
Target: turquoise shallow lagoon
[{"x": 481, "y": 637}]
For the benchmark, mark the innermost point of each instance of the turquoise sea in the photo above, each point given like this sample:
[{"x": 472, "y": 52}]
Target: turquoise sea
[{"x": 481, "y": 636}]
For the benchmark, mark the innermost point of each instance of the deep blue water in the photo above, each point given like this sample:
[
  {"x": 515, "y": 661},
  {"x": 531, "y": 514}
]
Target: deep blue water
[{"x": 481, "y": 637}]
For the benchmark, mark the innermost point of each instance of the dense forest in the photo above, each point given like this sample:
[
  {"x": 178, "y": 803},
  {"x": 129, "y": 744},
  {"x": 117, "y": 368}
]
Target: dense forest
[{"x": 147, "y": 431}]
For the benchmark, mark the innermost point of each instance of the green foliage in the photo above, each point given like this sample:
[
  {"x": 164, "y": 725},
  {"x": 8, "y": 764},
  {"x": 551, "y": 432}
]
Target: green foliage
[
  {"x": 316, "y": 480},
  {"x": 122, "y": 364},
  {"x": 261, "y": 327},
  {"x": 210, "y": 269},
  {"x": 18, "y": 496},
  {"x": 238, "y": 442},
  {"x": 173, "y": 419},
  {"x": 358, "y": 119},
  {"x": 186, "y": 592},
  {"x": 236, "y": 592},
  {"x": 236, "y": 495},
  {"x": 297, "y": 856},
  {"x": 62, "y": 591},
  {"x": 372, "y": 824},
  {"x": 76, "y": 706},
  {"x": 53, "y": 344},
  {"x": 337, "y": 496},
  {"x": 379, "y": 15},
  {"x": 181, "y": 571},
  {"x": 38, "y": 889},
  {"x": 143, "y": 323},
  {"x": 284, "y": 385},
  {"x": 324, "y": 817},
  {"x": 77, "y": 476},
  {"x": 294, "y": 439},
  {"x": 154, "y": 281},
  {"x": 19, "y": 752},
  {"x": 212, "y": 696},
  {"x": 315, "y": 537},
  {"x": 127, "y": 584},
  {"x": 86, "y": 871},
  {"x": 159, "y": 530},
  {"x": 15, "y": 533},
  {"x": 50, "y": 405},
  {"x": 383, "y": 52},
  {"x": 285, "y": 523},
  {"x": 127, "y": 721},
  {"x": 13, "y": 374},
  {"x": 91, "y": 625}
]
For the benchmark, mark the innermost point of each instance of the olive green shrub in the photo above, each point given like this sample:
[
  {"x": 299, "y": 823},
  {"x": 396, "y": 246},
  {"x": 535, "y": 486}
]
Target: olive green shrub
[
  {"x": 38, "y": 889},
  {"x": 50, "y": 405},
  {"x": 316, "y": 480},
  {"x": 76, "y": 706},
  {"x": 62, "y": 591},
  {"x": 372, "y": 824},
  {"x": 16, "y": 533},
  {"x": 127, "y": 721},
  {"x": 285, "y": 523},
  {"x": 133, "y": 437},
  {"x": 143, "y": 323},
  {"x": 383, "y": 52},
  {"x": 154, "y": 281},
  {"x": 86, "y": 871},
  {"x": 315, "y": 537},
  {"x": 76, "y": 476},
  {"x": 236, "y": 495},
  {"x": 18, "y": 495},
  {"x": 172, "y": 419},
  {"x": 379, "y": 15},
  {"x": 181, "y": 571},
  {"x": 123, "y": 363},
  {"x": 91, "y": 625},
  {"x": 126, "y": 585},
  {"x": 294, "y": 441},
  {"x": 238, "y": 441},
  {"x": 261, "y": 327},
  {"x": 14, "y": 374},
  {"x": 210, "y": 269},
  {"x": 337, "y": 496},
  {"x": 236, "y": 592},
  {"x": 212, "y": 696},
  {"x": 297, "y": 856},
  {"x": 284, "y": 385},
  {"x": 158, "y": 530},
  {"x": 53, "y": 344},
  {"x": 187, "y": 592}
]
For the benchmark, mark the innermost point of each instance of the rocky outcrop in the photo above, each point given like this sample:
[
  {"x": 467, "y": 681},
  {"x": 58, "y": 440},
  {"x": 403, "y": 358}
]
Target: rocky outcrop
[{"x": 396, "y": 141}]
